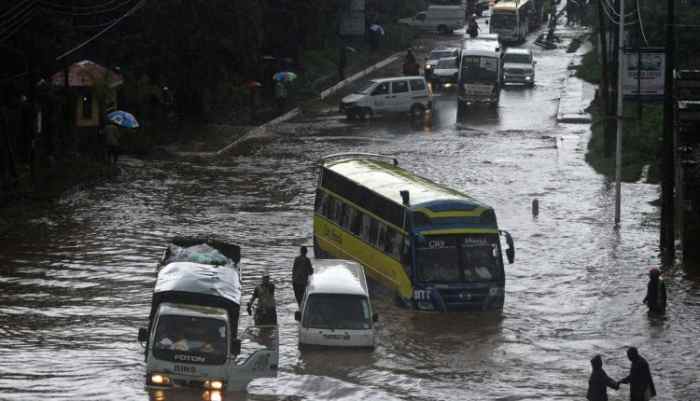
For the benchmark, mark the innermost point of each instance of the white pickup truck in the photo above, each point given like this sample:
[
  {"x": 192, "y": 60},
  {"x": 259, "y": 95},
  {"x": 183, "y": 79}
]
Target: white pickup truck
[
  {"x": 443, "y": 19},
  {"x": 192, "y": 336}
]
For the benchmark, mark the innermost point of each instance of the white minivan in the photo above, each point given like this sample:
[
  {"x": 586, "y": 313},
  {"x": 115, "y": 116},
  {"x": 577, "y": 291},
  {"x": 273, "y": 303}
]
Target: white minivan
[
  {"x": 394, "y": 95},
  {"x": 336, "y": 310}
]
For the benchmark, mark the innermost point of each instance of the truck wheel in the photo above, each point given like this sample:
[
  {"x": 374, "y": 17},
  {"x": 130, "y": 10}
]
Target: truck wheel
[
  {"x": 417, "y": 111},
  {"x": 350, "y": 115},
  {"x": 442, "y": 29}
]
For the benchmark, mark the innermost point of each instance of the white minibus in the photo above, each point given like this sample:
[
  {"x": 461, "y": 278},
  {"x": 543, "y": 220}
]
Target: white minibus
[{"x": 336, "y": 310}]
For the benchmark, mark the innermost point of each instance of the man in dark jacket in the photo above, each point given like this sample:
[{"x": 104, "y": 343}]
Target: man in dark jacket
[
  {"x": 300, "y": 274},
  {"x": 266, "y": 309},
  {"x": 656, "y": 292},
  {"x": 639, "y": 379},
  {"x": 599, "y": 381}
]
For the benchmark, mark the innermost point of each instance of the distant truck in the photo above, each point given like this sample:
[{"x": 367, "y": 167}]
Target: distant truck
[
  {"x": 443, "y": 19},
  {"x": 192, "y": 336}
]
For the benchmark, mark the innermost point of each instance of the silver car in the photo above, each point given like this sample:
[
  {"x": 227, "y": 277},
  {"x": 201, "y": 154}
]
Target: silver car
[
  {"x": 518, "y": 66},
  {"x": 433, "y": 58}
]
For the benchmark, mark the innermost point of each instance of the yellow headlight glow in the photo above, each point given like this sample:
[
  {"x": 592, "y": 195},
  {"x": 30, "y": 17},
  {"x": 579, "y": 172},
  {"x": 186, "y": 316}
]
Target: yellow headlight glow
[{"x": 160, "y": 379}]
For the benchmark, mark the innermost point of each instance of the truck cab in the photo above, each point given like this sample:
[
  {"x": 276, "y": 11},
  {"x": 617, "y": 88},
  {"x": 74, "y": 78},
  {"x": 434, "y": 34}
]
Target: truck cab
[{"x": 192, "y": 335}]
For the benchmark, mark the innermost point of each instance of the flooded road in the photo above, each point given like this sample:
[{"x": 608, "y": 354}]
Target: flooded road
[{"x": 76, "y": 281}]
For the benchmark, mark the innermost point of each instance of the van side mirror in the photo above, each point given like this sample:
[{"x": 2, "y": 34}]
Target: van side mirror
[
  {"x": 375, "y": 317},
  {"x": 143, "y": 335},
  {"x": 510, "y": 251},
  {"x": 297, "y": 316},
  {"x": 236, "y": 346}
]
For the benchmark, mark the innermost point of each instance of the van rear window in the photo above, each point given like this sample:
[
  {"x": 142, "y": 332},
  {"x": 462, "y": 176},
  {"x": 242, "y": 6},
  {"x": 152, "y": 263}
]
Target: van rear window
[{"x": 417, "y": 85}]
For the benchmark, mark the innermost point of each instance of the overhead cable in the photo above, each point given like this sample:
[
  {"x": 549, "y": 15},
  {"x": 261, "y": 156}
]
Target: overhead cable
[
  {"x": 613, "y": 11},
  {"x": 616, "y": 21},
  {"x": 641, "y": 25},
  {"x": 7, "y": 32},
  {"x": 73, "y": 7},
  {"x": 18, "y": 5},
  {"x": 113, "y": 8},
  {"x": 29, "y": 6},
  {"x": 97, "y": 35}
]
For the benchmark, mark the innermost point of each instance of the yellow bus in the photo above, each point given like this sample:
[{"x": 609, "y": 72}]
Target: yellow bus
[
  {"x": 511, "y": 19},
  {"x": 434, "y": 247}
]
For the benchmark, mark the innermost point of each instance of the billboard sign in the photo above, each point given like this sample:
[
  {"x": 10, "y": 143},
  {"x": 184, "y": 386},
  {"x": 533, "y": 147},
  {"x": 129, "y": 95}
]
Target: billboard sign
[
  {"x": 643, "y": 73},
  {"x": 352, "y": 19}
]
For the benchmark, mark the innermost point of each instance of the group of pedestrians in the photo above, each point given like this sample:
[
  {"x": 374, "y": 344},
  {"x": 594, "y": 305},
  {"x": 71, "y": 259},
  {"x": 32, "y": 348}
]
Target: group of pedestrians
[
  {"x": 639, "y": 377},
  {"x": 265, "y": 309}
]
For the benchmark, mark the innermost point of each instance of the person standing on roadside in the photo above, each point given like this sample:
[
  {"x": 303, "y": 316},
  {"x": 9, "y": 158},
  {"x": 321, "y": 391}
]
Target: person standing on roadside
[
  {"x": 280, "y": 95},
  {"x": 300, "y": 274},
  {"x": 342, "y": 61},
  {"x": 111, "y": 138},
  {"x": 639, "y": 378},
  {"x": 599, "y": 381},
  {"x": 656, "y": 292}
]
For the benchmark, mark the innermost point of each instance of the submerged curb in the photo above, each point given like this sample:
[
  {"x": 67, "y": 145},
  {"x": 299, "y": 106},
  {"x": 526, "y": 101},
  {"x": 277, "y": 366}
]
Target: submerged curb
[
  {"x": 574, "y": 99},
  {"x": 261, "y": 130}
]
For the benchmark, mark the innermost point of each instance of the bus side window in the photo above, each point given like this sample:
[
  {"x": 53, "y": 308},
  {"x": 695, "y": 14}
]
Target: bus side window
[
  {"x": 366, "y": 221},
  {"x": 321, "y": 199},
  {"x": 381, "y": 237},
  {"x": 391, "y": 242},
  {"x": 340, "y": 210},
  {"x": 373, "y": 231},
  {"x": 330, "y": 208},
  {"x": 356, "y": 222},
  {"x": 349, "y": 214}
]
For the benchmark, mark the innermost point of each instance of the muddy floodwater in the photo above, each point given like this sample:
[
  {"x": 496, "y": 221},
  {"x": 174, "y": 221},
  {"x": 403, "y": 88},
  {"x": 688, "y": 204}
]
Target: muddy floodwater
[{"x": 76, "y": 280}]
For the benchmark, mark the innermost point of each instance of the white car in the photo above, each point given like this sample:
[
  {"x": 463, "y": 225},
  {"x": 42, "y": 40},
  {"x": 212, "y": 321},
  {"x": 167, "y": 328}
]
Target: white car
[
  {"x": 408, "y": 94},
  {"x": 434, "y": 56},
  {"x": 518, "y": 66},
  {"x": 446, "y": 72}
]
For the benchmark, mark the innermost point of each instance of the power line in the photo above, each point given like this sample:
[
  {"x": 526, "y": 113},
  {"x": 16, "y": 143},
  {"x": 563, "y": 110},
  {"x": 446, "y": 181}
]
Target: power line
[
  {"x": 8, "y": 32},
  {"x": 614, "y": 20},
  {"x": 78, "y": 7},
  {"x": 18, "y": 5},
  {"x": 641, "y": 25},
  {"x": 97, "y": 35},
  {"x": 19, "y": 14},
  {"x": 118, "y": 6},
  {"x": 611, "y": 8}
]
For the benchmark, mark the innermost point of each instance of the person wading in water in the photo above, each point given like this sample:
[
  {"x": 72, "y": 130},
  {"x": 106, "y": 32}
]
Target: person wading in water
[{"x": 266, "y": 309}]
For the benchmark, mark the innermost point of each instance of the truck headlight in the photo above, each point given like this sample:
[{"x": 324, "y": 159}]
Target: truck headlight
[
  {"x": 214, "y": 384},
  {"x": 528, "y": 78},
  {"x": 428, "y": 66},
  {"x": 160, "y": 380}
]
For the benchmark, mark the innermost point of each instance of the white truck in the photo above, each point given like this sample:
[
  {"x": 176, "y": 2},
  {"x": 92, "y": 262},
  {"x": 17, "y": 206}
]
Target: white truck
[
  {"x": 192, "y": 336},
  {"x": 443, "y": 19}
]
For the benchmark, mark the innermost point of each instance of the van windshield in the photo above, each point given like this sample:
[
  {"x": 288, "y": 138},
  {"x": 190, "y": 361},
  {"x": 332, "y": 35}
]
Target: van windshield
[
  {"x": 190, "y": 339},
  {"x": 516, "y": 58},
  {"x": 438, "y": 54},
  {"x": 366, "y": 88},
  {"x": 337, "y": 311}
]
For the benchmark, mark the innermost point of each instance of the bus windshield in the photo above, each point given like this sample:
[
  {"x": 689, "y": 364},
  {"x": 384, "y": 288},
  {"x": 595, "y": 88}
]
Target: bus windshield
[
  {"x": 203, "y": 337},
  {"x": 503, "y": 21},
  {"x": 479, "y": 68},
  {"x": 454, "y": 259},
  {"x": 337, "y": 312}
]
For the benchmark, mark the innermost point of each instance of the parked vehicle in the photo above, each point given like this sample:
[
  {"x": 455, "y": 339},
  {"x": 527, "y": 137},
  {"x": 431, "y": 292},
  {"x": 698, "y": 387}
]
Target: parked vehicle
[
  {"x": 336, "y": 310},
  {"x": 443, "y": 19},
  {"x": 192, "y": 336},
  {"x": 389, "y": 95},
  {"x": 446, "y": 72},
  {"x": 518, "y": 66},
  {"x": 479, "y": 74},
  {"x": 434, "y": 247},
  {"x": 435, "y": 55}
]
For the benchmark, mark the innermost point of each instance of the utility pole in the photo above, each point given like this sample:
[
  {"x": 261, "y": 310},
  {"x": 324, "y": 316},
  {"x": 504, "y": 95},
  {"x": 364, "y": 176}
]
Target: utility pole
[
  {"x": 667, "y": 180},
  {"x": 620, "y": 112},
  {"x": 604, "y": 79}
]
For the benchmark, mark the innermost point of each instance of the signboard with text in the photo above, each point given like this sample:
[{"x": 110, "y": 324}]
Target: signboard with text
[{"x": 643, "y": 73}]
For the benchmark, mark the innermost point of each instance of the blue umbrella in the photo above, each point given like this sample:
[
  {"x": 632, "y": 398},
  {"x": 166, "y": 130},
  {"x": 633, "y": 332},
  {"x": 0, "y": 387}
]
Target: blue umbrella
[
  {"x": 123, "y": 119},
  {"x": 284, "y": 76}
]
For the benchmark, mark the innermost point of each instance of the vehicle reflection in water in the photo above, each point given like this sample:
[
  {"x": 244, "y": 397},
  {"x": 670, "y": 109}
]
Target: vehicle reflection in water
[{"x": 193, "y": 395}]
